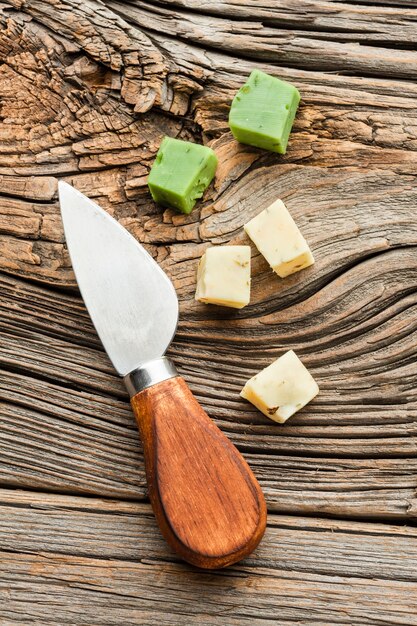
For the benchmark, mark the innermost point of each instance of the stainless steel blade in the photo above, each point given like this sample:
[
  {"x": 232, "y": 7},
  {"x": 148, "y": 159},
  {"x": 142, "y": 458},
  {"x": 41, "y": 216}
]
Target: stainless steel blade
[{"x": 131, "y": 301}]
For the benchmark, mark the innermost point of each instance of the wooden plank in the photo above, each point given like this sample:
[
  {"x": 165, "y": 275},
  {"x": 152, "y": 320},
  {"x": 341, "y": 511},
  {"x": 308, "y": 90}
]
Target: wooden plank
[
  {"x": 76, "y": 451},
  {"x": 109, "y": 555},
  {"x": 333, "y": 18},
  {"x": 342, "y": 122},
  {"x": 318, "y": 46},
  {"x": 117, "y": 529},
  {"x": 73, "y": 590},
  {"x": 68, "y": 427}
]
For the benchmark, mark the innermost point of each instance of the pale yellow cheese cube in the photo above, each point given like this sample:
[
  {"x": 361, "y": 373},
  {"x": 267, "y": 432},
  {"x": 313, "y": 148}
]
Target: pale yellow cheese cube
[
  {"x": 223, "y": 276},
  {"x": 282, "y": 388},
  {"x": 278, "y": 239}
]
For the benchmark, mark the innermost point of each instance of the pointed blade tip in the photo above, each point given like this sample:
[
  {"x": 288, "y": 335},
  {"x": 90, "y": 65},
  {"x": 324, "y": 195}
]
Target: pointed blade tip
[
  {"x": 64, "y": 187},
  {"x": 65, "y": 191}
]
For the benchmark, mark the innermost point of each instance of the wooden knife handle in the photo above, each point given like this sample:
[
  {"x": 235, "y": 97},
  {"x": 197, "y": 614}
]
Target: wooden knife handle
[{"x": 208, "y": 504}]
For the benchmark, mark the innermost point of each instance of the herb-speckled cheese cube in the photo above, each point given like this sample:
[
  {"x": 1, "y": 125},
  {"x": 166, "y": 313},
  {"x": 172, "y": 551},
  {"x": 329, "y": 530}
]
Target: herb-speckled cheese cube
[
  {"x": 282, "y": 388},
  {"x": 263, "y": 111},
  {"x": 181, "y": 173},
  {"x": 223, "y": 276},
  {"x": 279, "y": 240}
]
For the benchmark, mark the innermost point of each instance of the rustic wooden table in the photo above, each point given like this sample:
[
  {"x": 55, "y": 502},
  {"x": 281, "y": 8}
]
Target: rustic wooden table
[{"x": 87, "y": 90}]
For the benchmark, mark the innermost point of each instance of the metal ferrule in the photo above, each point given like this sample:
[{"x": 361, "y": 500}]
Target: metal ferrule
[{"x": 149, "y": 374}]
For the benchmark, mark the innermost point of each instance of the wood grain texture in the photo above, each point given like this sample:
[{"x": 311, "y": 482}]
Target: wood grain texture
[
  {"x": 206, "y": 500},
  {"x": 120, "y": 529},
  {"x": 109, "y": 556},
  {"x": 87, "y": 90},
  {"x": 359, "y": 462},
  {"x": 286, "y": 44}
]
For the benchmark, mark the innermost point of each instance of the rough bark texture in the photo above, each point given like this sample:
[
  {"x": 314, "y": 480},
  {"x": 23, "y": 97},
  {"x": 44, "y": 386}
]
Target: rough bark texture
[{"x": 87, "y": 90}]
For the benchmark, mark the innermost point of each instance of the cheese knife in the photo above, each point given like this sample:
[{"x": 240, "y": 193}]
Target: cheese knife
[{"x": 206, "y": 500}]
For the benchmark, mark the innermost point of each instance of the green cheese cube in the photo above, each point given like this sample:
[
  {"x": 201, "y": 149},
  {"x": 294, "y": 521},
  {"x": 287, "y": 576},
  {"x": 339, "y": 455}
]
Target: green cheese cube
[
  {"x": 263, "y": 111},
  {"x": 181, "y": 173}
]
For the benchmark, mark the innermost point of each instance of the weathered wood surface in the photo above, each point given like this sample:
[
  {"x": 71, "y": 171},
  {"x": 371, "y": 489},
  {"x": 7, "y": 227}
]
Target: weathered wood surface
[
  {"x": 87, "y": 90},
  {"x": 94, "y": 561}
]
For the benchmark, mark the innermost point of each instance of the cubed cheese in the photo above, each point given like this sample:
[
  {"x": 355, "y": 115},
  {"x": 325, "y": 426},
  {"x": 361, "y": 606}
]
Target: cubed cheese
[
  {"x": 278, "y": 239},
  {"x": 223, "y": 276},
  {"x": 282, "y": 388},
  {"x": 180, "y": 174},
  {"x": 263, "y": 111}
]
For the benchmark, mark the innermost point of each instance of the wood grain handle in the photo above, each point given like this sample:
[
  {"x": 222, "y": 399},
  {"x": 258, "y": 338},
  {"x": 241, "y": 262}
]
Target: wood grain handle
[{"x": 207, "y": 502}]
